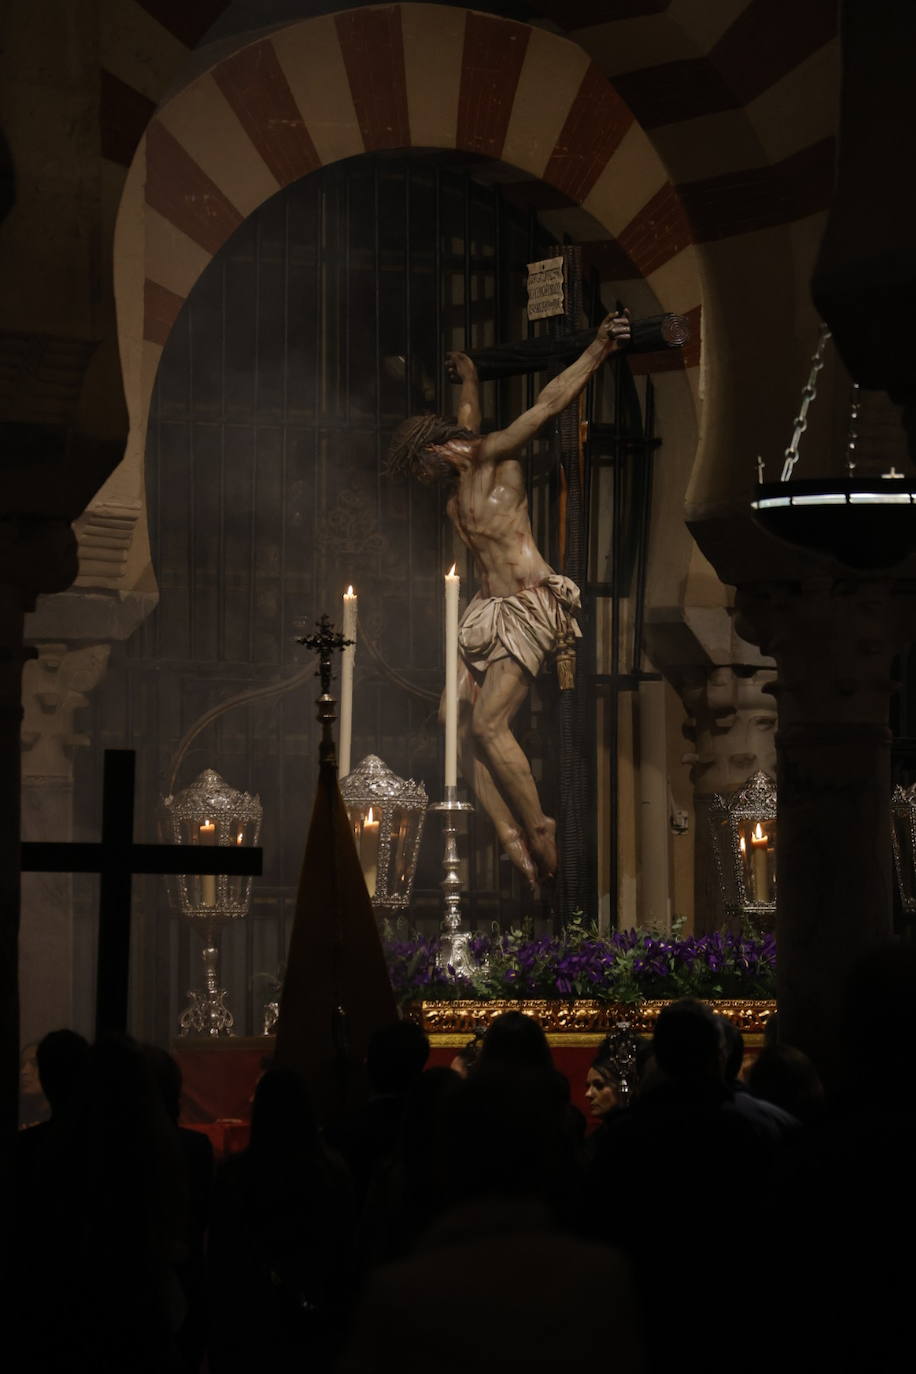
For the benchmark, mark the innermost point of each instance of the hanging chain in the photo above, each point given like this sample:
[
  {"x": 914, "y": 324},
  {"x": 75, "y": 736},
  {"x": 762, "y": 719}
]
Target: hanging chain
[
  {"x": 852, "y": 438},
  {"x": 809, "y": 392}
]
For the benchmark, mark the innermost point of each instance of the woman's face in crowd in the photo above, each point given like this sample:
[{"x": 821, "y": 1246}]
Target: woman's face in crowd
[{"x": 601, "y": 1093}]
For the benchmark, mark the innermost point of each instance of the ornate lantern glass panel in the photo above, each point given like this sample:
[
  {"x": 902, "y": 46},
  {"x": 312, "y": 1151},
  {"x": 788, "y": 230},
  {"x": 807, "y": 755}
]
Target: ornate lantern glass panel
[
  {"x": 209, "y": 813},
  {"x": 903, "y": 832},
  {"x": 386, "y": 815},
  {"x": 744, "y": 829}
]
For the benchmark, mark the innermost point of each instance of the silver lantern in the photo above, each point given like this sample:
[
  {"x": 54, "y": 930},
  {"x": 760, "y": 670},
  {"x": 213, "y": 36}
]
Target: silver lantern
[
  {"x": 386, "y": 817},
  {"x": 744, "y": 831},
  {"x": 209, "y": 813}
]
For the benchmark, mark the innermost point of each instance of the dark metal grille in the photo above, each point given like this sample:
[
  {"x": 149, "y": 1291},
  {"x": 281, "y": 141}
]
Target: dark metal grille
[{"x": 309, "y": 337}]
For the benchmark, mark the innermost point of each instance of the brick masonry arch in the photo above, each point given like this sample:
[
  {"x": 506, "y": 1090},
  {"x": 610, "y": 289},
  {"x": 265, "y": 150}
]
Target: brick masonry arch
[{"x": 399, "y": 76}]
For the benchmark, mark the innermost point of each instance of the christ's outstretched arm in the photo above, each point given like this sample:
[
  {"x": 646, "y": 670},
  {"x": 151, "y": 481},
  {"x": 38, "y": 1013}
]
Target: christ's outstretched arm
[{"x": 613, "y": 331}]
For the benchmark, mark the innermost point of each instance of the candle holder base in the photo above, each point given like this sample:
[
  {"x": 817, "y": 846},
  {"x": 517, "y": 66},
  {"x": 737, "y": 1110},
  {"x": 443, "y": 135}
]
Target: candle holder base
[
  {"x": 207, "y": 1013},
  {"x": 453, "y": 942}
]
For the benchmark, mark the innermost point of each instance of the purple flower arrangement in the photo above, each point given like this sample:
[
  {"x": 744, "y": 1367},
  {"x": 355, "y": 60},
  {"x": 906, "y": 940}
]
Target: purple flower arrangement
[{"x": 623, "y": 967}]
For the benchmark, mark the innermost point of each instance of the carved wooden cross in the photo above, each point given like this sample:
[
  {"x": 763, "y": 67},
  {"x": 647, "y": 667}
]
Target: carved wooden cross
[
  {"x": 116, "y": 858},
  {"x": 525, "y": 356}
]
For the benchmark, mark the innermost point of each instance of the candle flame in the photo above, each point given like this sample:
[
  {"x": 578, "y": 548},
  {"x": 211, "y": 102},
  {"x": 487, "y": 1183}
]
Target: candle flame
[
  {"x": 741, "y": 845},
  {"x": 758, "y": 836},
  {"x": 350, "y": 592},
  {"x": 240, "y": 837},
  {"x": 370, "y": 819},
  {"x": 451, "y": 572}
]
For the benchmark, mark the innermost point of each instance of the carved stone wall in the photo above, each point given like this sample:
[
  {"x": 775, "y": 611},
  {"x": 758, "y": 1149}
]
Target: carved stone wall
[
  {"x": 55, "y": 686},
  {"x": 732, "y": 726}
]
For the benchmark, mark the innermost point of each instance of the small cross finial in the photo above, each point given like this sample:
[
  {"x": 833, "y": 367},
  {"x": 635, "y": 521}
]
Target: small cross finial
[{"x": 325, "y": 642}]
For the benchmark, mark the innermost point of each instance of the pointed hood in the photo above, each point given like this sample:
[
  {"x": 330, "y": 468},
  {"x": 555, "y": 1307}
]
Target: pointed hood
[{"x": 336, "y": 991}]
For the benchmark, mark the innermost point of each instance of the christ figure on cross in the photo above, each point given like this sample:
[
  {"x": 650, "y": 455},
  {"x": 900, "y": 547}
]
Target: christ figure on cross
[{"x": 523, "y": 610}]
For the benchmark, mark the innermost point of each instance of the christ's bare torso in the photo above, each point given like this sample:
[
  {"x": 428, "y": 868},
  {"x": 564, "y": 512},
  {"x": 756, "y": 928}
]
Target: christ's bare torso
[{"x": 489, "y": 509}]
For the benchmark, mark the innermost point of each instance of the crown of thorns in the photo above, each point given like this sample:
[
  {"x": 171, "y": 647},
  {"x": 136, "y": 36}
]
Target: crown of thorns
[{"x": 414, "y": 436}]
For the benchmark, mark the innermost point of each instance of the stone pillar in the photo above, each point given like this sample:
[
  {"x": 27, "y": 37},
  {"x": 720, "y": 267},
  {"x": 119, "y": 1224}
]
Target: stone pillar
[
  {"x": 733, "y": 729},
  {"x": 654, "y": 825},
  {"x": 833, "y": 640},
  {"x": 36, "y": 555},
  {"x": 53, "y": 689}
]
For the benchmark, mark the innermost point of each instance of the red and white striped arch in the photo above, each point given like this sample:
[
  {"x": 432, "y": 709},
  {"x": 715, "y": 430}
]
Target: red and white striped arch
[{"x": 394, "y": 76}]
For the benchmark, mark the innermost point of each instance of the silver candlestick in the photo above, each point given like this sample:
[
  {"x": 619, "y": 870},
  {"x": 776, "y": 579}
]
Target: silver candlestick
[
  {"x": 207, "y": 1013},
  {"x": 453, "y": 945}
]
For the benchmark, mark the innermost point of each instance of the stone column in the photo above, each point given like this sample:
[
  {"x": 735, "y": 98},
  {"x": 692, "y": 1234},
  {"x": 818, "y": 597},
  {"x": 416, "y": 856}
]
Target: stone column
[
  {"x": 833, "y": 640},
  {"x": 654, "y": 826},
  {"x": 53, "y": 689},
  {"x": 733, "y": 729},
  {"x": 36, "y": 555}
]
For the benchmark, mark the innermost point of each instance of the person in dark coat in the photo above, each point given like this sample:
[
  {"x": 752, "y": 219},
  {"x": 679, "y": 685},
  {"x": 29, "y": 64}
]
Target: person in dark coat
[
  {"x": 109, "y": 1233},
  {"x": 497, "y": 1282},
  {"x": 767, "y": 1116},
  {"x": 197, "y": 1156},
  {"x": 60, "y": 1058},
  {"x": 280, "y": 1254},
  {"x": 367, "y": 1137},
  {"x": 676, "y": 1169}
]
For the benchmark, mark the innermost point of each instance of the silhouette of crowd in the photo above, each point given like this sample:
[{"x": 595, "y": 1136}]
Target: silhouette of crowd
[{"x": 465, "y": 1218}]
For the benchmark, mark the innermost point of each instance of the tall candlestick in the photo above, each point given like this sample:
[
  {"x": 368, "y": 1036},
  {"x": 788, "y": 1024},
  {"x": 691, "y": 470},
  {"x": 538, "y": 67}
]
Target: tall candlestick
[
  {"x": 208, "y": 880},
  {"x": 452, "y": 587},
  {"x": 348, "y": 662}
]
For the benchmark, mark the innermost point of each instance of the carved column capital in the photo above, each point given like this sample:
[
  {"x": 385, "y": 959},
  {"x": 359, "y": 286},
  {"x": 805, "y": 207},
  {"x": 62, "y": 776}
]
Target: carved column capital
[
  {"x": 834, "y": 640},
  {"x": 732, "y": 726},
  {"x": 54, "y": 685}
]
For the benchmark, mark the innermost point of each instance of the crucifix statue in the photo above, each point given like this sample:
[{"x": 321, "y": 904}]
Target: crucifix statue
[{"x": 523, "y": 610}]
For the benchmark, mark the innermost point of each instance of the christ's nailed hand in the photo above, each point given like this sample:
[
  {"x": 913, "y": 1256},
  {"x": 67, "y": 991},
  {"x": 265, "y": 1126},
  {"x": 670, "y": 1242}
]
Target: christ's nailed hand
[
  {"x": 458, "y": 367},
  {"x": 614, "y": 329}
]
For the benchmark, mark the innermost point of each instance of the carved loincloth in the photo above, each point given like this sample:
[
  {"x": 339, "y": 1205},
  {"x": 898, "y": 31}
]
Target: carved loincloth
[{"x": 527, "y": 626}]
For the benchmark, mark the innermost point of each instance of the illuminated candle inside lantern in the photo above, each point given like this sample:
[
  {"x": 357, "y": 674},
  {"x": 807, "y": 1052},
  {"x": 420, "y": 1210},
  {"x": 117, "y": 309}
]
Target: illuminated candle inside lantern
[
  {"x": 760, "y": 866},
  {"x": 348, "y": 663},
  {"x": 368, "y": 851},
  {"x": 452, "y": 587},
  {"x": 207, "y": 880}
]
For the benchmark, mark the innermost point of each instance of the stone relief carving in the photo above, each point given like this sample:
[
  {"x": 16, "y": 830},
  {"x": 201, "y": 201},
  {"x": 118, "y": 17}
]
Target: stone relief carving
[
  {"x": 54, "y": 687},
  {"x": 105, "y": 532},
  {"x": 733, "y": 727}
]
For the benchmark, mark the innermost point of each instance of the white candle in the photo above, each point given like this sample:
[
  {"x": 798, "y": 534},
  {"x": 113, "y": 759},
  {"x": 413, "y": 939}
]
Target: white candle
[
  {"x": 368, "y": 851},
  {"x": 346, "y": 681},
  {"x": 760, "y": 862},
  {"x": 452, "y": 587},
  {"x": 207, "y": 880}
]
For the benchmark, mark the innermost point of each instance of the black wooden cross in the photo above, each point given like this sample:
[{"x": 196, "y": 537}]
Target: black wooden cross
[
  {"x": 525, "y": 356},
  {"x": 116, "y": 859}
]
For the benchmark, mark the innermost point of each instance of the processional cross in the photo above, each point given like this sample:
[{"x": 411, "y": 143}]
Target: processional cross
[
  {"x": 116, "y": 858},
  {"x": 325, "y": 643}
]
